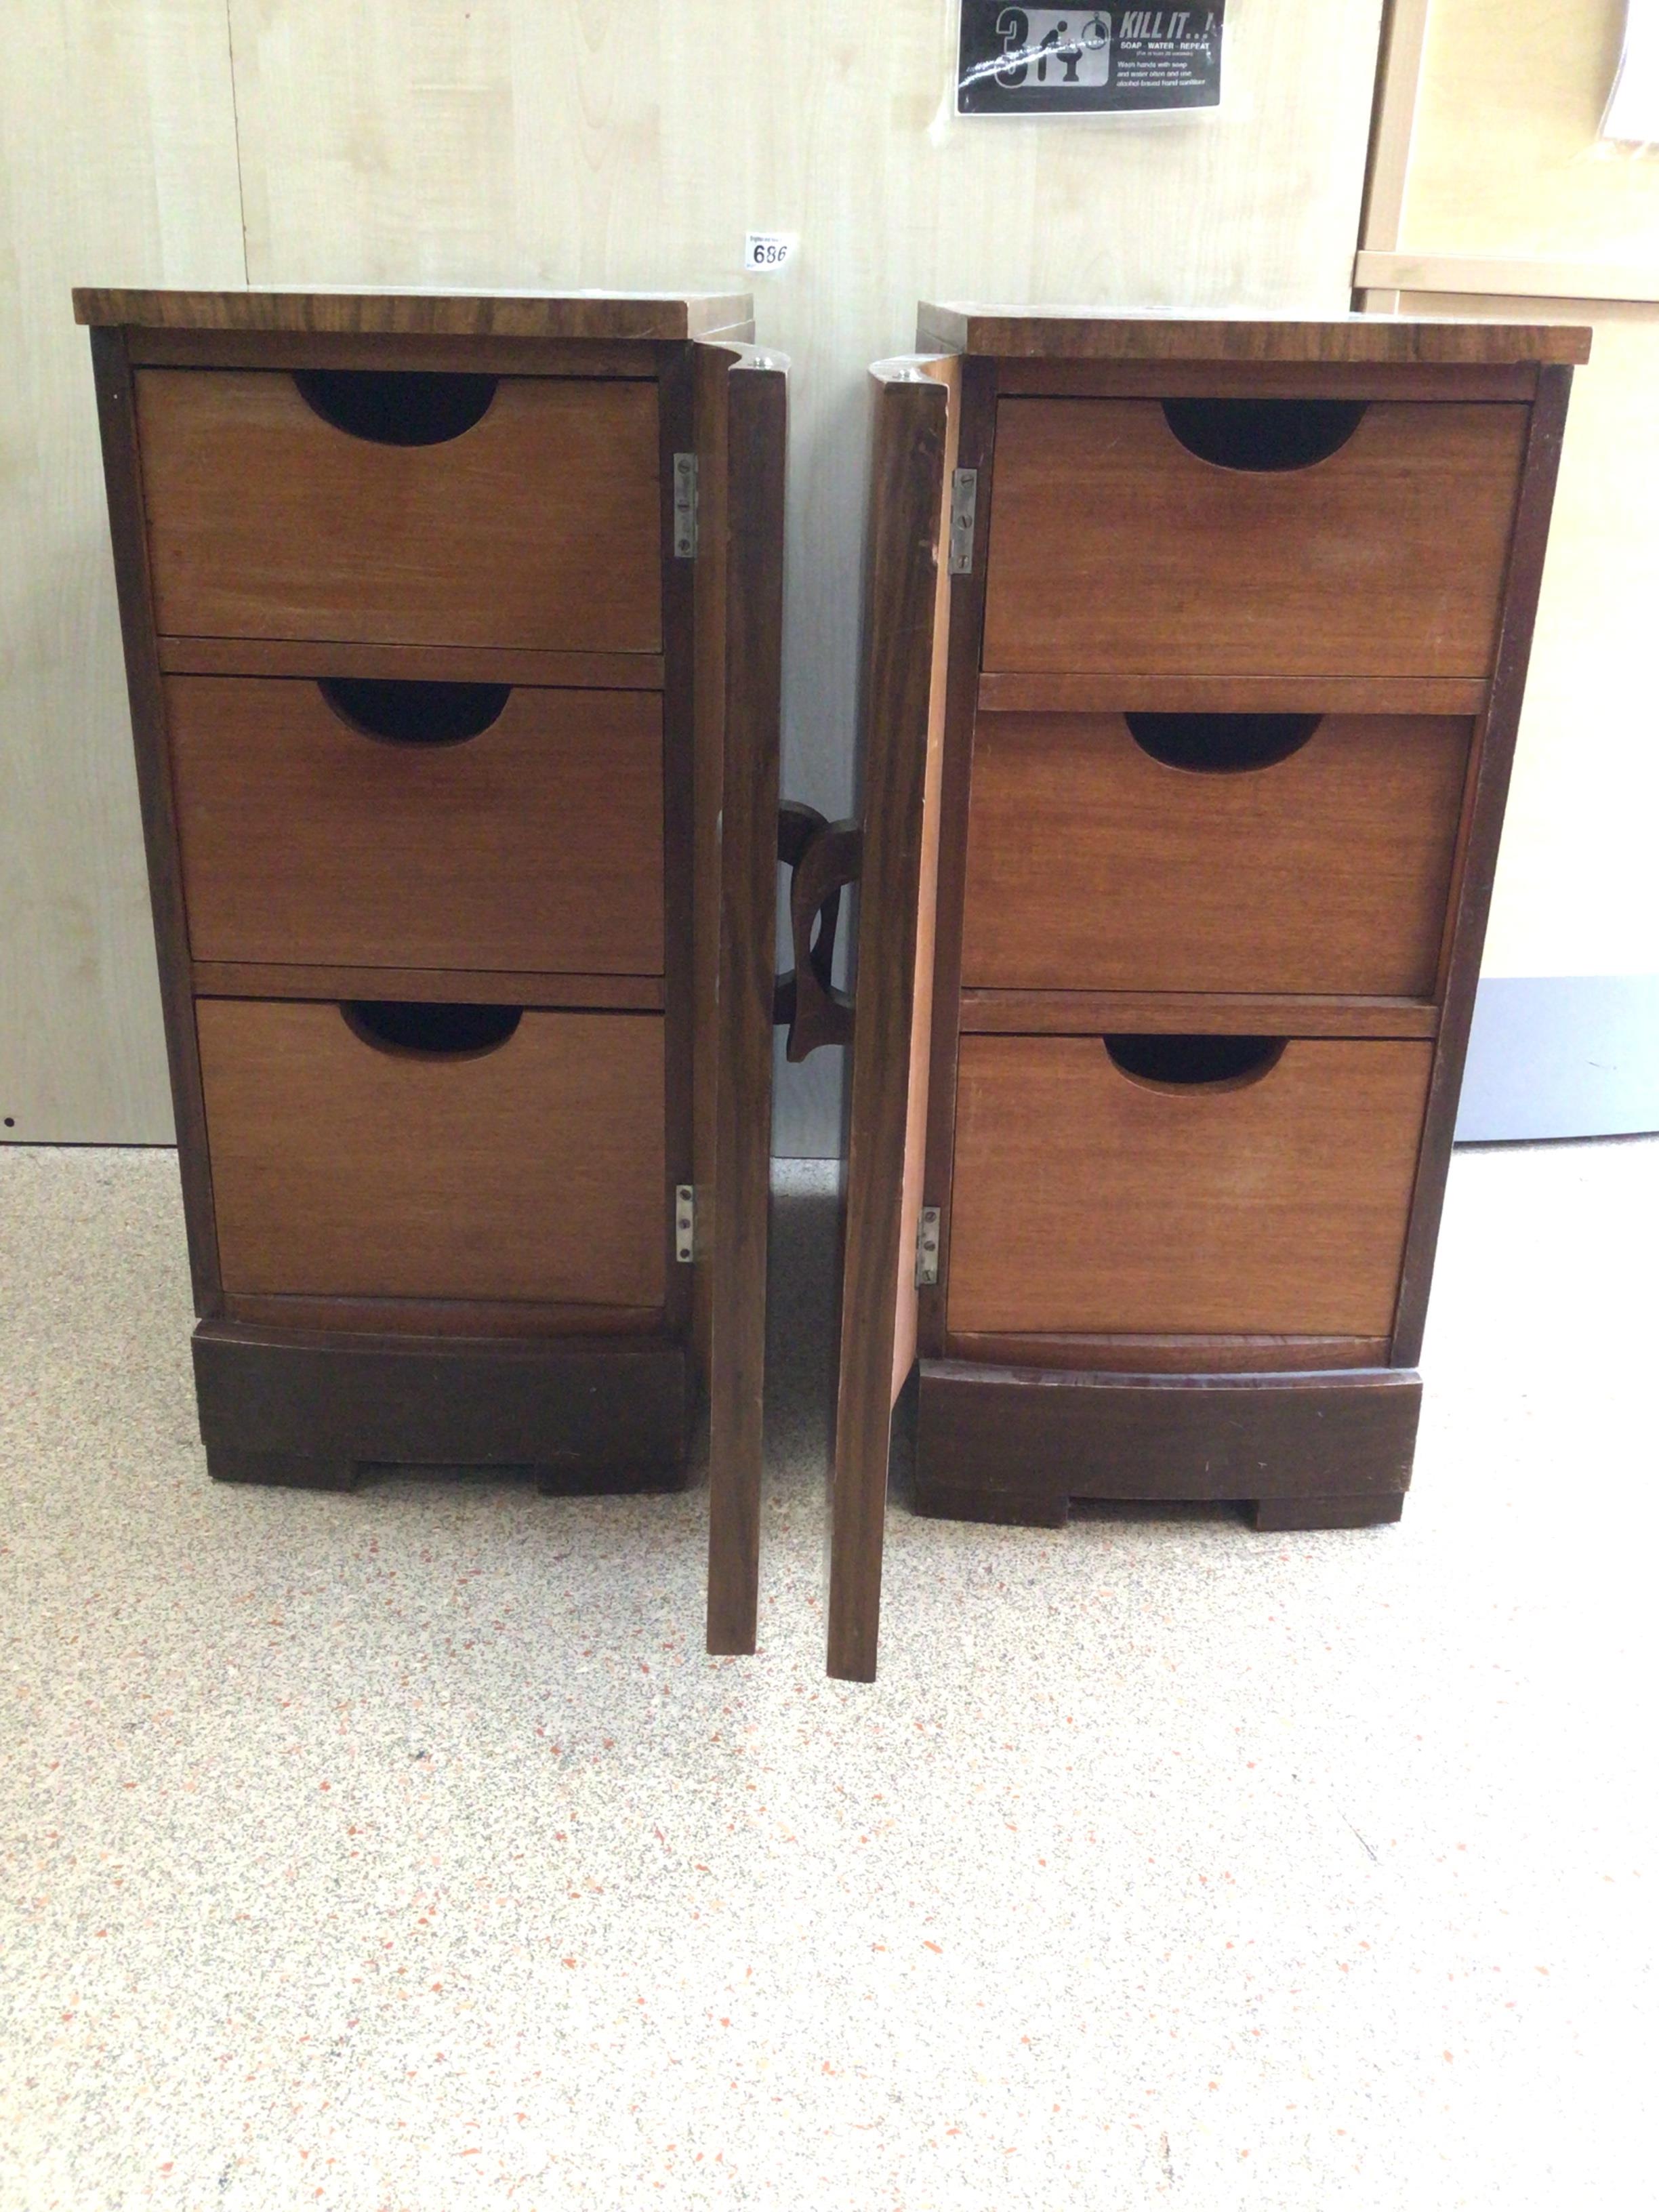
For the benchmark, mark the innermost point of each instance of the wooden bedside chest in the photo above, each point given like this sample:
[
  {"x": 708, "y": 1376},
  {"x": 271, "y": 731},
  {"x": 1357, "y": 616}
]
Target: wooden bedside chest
[
  {"x": 453, "y": 630},
  {"x": 1195, "y": 652}
]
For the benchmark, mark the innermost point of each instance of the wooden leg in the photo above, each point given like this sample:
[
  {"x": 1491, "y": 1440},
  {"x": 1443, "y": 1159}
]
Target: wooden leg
[
  {"x": 291, "y": 1470},
  {"x": 939, "y": 1501},
  {"x": 1328, "y": 1512}
]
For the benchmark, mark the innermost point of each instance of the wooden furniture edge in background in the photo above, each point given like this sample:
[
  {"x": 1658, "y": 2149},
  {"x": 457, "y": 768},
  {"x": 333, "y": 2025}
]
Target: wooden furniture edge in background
[{"x": 1522, "y": 279}]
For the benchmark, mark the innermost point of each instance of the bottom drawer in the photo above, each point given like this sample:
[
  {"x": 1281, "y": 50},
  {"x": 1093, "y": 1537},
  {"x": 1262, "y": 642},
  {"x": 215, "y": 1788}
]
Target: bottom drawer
[
  {"x": 435, "y": 1151},
  {"x": 1183, "y": 1185}
]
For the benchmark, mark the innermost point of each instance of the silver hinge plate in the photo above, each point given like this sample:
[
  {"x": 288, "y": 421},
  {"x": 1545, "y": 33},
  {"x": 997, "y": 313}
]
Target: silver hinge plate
[
  {"x": 685, "y": 507},
  {"x": 964, "y": 498},
  {"x": 686, "y": 1222},
  {"x": 927, "y": 1248}
]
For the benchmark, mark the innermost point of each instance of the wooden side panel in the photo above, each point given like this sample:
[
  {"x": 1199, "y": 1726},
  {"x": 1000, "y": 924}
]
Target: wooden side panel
[
  {"x": 1093, "y": 865},
  {"x": 1467, "y": 929},
  {"x": 1113, "y": 547},
  {"x": 710, "y": 367},
  {"x": 117, "y": 424},
  {"x": 1086, "y": 1199},
  {"x": 536, "y": 844},
  {"x": 1163, "y": 1013},
  {"x": 537, "y": 527},
  {"x": 534, "y": 1170},
  {"x": 912, "y": 434},
  {"x": 947, "y": 372},
  {"x": 742, "y": 400}
]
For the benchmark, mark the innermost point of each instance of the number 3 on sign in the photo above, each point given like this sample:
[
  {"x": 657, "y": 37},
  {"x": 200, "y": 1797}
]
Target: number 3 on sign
[{"x": 766, "y": 252}]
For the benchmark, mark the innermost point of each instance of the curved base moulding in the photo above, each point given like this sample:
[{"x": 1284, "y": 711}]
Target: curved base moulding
[
  {"x": 598, "y": 1415},
  {"x": 1015, "y": 1446}
]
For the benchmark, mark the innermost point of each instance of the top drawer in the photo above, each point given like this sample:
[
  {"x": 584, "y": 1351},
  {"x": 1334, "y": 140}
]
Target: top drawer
[
  {"x": 404, "y": 508},
  {"x": 1282, "y": 538}
]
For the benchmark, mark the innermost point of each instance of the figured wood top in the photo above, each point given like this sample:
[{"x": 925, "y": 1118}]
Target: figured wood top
[
  {"x": 443, "y": 315},
  {"x": 1085, "y": 334}
]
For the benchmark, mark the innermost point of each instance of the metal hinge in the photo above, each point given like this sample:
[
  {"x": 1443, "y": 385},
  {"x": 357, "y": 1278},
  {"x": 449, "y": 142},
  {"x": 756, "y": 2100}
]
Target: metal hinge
[
  {"x": 686, "y": 1222},
  {"x": 685, "y": 507},
  {"x": 927, "y": 1247},
  {"x": 964, "y": 498}
]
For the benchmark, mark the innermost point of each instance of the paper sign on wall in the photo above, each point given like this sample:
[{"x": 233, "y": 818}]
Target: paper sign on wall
[{"x": 1104, "y": 60}]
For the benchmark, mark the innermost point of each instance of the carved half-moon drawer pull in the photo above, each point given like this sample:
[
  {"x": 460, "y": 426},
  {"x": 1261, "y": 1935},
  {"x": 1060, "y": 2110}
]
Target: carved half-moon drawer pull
[
  {"x": 1193, "y": 1063},
  {"x": 823, "y": 859},
  {"x": 401, "y": 712},
  {"x": 1221, "y": 745},
  {"x": 1262, "y": 434},
  {"x": 397, "y": 406},
  {"x": 421, "y": 1031}
]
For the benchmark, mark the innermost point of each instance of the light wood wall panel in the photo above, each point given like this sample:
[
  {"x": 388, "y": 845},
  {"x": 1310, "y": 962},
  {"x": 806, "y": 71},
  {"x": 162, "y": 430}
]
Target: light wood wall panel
[
  {"x": 1505, "y": 161},
  {"x": 1496, "y": 126},
  {"x": 539, "y": 142},
  {"x": 1575, "y": 894},
  {"x": 118, "y": 164}
]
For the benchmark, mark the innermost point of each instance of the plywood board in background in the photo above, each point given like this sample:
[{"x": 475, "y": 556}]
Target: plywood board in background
[
  {"x": 118, "y": 159},
  {"x": 538, "y": 143}
]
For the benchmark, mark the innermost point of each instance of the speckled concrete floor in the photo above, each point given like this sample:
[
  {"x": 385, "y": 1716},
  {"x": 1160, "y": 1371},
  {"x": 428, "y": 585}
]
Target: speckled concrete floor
[{"x": 403, "y": 1853}]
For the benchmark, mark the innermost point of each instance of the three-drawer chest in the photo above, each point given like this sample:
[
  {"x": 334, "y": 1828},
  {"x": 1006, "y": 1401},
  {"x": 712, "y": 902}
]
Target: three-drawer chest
[
  {"x": 451, "y": 626},
  {"x": 1195, "y": 654}
]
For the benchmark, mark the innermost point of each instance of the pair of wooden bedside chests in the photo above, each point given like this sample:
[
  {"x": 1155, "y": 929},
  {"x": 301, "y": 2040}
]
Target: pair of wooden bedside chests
[{"x": 1194, "y": 656}]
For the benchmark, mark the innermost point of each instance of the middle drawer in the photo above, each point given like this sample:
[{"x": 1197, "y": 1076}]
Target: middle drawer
[
  {"x": 415, "y": 824},
  {"x": 1289, "y": 853}
]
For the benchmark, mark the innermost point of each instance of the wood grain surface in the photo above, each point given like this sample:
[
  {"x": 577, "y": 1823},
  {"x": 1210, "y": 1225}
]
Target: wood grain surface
[
  {"x": 1256, "y": 380},
  {"x": 1477, "y": 858},
  {"x": 281, "y": 1405},
  {"x": 1084, "y": 1201},
  {"x": 1173, "y": 1013},
  {"x": 1002, "y": 1445},
  {"x": 124, "y": 484},
  {"x": 1094, "y": 867},
  {"x": 535, "y": 845},
  {"x": 912, "y": 446},
  {"x": 312, "y": 350},
  {"x": 453, "y": 314},
  {"x": 266, "y": 521},
  {"x": 1085, "y": 334},
  {"x": 410, "y": 664},
  {"x": 475, "y": 1317},
  {"x": 741, "y": 401},
  {"x": 483, "y": 986},
  {"x": 1091, "y": 692},
  {"x": 1112, "y": 547},
  {"x": 531, "y": 1171},
  {"x": 1169, "y": 1355}
]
